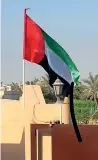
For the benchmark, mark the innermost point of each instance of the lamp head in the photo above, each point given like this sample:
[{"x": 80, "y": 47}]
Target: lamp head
[{"x": 58, "y": 86}]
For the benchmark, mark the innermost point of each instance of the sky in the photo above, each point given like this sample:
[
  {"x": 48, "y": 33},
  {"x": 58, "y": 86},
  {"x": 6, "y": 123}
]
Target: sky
[{"x": 72, "y": 23}]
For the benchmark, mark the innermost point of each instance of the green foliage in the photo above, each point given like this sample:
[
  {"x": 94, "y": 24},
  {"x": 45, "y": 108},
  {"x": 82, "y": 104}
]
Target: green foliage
[
  {"x": 15, "y": 87},
  {"x": 95, "y": 116},
  {"x": 34, "y": 81},
  {"x": 48, "y": 94},
  {"x": 78, "y": 91},
  {"x": 84, "y": 109},
  {"x": 91, "y": 88}
]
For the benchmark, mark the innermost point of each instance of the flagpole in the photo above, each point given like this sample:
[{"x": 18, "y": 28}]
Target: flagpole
[
  {"x": 24, "y": 43},
  {"x": 23, "y": 61},
  {"x": 23, "y": 83}
]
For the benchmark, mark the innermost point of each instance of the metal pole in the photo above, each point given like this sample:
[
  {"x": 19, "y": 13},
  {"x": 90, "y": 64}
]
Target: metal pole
[
  {"x": 23, "y": 83},
  {"x": 23, "y": 64},
  {"x": 60, "y": 113},
  {"x": 60, "y": 105},
  {"x": 24, "y": 45},
  {"x": 37, "y": 143}
]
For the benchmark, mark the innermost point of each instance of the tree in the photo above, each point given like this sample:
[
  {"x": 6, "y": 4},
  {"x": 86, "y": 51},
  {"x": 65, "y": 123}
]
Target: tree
[
  {"x": 34, "y": 82},
  {"x": 47, "y": 90},
  {"x": 78, "y": 91},
  {"x": 27, "y": 82},
  {"x": 91, "y": 88},
  {"x": 16, "y": 87}
]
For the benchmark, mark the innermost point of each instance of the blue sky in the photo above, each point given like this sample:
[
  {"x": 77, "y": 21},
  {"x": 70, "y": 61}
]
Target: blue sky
[{"x": 72, "y": 23}]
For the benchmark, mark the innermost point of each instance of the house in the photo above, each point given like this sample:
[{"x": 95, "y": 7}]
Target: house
[{"x": 17, "y": 117}]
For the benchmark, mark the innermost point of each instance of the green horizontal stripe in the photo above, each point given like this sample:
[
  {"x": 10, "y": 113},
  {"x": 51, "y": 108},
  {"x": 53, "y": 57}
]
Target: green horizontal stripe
[{"x": 58, "y": 50}]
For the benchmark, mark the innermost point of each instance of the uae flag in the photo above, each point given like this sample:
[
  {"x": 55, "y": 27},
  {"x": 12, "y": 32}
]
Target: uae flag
[{"x": 40, "y": 48}]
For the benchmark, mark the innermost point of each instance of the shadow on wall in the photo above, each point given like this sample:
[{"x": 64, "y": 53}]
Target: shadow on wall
[{"x": 13, "y": 151}]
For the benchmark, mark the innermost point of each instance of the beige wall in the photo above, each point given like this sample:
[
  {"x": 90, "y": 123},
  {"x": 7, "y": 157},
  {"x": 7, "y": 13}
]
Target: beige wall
[{"x": 16, "y": 120}]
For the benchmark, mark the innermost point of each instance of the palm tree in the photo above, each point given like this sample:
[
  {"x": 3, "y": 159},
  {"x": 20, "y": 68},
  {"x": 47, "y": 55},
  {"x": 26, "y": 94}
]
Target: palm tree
[
  {"x": 78, "y": 90},
  {"x": 16, "y": 87},
  {"x": 91, "y": 89}
]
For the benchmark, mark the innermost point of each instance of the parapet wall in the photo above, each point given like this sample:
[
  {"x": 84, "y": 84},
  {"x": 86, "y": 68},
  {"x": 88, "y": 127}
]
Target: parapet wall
[
  {"x": 15, "y": 115},
  {"x": 16, "y": 119}
]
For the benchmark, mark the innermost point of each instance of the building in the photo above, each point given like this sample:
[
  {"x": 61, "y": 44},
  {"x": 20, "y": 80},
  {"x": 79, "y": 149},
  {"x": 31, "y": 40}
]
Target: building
[
  {"x": 16, "y": 120},
  {"x": 7, "y": 93}
]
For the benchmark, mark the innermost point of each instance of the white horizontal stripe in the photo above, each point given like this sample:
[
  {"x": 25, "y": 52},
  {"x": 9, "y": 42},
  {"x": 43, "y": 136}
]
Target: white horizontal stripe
[{"x": 57, "y": 65}]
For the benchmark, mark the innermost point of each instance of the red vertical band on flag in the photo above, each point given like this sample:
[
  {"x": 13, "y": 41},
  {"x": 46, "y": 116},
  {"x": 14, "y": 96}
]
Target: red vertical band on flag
[{"x": 33, "y": 41}]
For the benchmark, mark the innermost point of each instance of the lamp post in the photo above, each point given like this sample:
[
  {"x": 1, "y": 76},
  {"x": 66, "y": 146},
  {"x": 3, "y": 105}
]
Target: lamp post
[{"x": 58, "y": 86}]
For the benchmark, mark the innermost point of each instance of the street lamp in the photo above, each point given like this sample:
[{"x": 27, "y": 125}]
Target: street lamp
[{"x": 58, "y": 86}]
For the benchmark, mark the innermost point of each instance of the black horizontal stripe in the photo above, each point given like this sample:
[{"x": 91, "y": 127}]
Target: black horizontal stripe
[{"x": 53, "y": 76}]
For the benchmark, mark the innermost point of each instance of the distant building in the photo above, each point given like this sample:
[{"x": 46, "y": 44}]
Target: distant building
[
  {"x": 5, "y": 87},
  {"x": 7, "y": 93}
]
